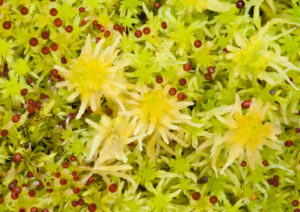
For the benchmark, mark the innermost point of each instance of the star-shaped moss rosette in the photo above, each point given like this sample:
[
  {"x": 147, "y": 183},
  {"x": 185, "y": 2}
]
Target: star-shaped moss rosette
[
  {"x": 112, "y": 135},
  {"x": 254, "y": 56},
  {"x": 93, "y": 76},
  {"x": 158, "y": 116},
  {"x": 247, "y": 132}
]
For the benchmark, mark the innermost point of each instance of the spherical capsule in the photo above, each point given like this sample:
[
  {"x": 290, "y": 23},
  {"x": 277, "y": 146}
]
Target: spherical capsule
[
  {"x": 81, "y": 9},
  {"x": 22, "y": 209},
  {"x": 181, "y": 96},
  {"x": 83, "y": 22},
  {"x": 91, "y": 179},
  {"x": 34, "y": 209},
  {"x": 57, "y": 175},
  {"x": 65, "y": 164},
  {"x": 113, "y": 187},
  {"x": 92, "y": 207},
  {"x": 31, "y": 109},
  {"x": 45, "y": 50},
  {"x": 76, "y": 190},
  {"x": 75, "y": 178},
  {"x": 45, "y": 35},
  {"x": 297, "y": 130},
  {"x": 276, "y": 177},
  {"x": 146, "y": 30},
  {"x": 44, "y": 96},
  {"x": 295, "y": 203},
  {"x": 33, "y": 42},
  {"x": 164, "y": 25},
  {"x": 6, "y": 25},
  {"x": 29, "y": 80},
  {"x": 240, "y": 4},
  {"x": 16, "y": 118},
  {"x": 121, "y": 29},
  {"x": 196, "y": 196},
  {"x": 54, "y": 73},
  {"x": 63, "y": 181},
  {"x": 17, "y": 157},
  {"x": 272, "y": 91},
  {"x": 156, "y": 5},
  {"x": 58, "y": 22},
  {"x": 213, "y": 199},
  {"x": 107, "y": 34},
  {"x": 275, "y": 183},
  {"x": 74, "y": 203},
  {"x": 297, "y": 210},
  {"x": 81, "y": 201},
  {"x": 74, "y": 173},
  {"x": 69, "y": 28},
  {"x": 95, "y": 22},
  {"x": 24, "y": 91},
  {"x": 207, "y": 76},
  {"x": 38, "y": 105},
  {"x": 203, "y": 180},
  {"x": 31, "y": 193},
  {"x": 30, "y": 174},
  {"x": 265, "y": 162},
  {"x": 24, "y": 10},
  {"x": 182, "y": 81},
  {"x": 97, "y": 39},
  {"x": 4, "y": 133},
  {"x": 11, "y": 185},
  {"x": 211, "y": 69},
  {"x": 243, "y": 163},
  {"x": 63, "y": 60},
  {"x": 45, "y": 210},
  {"x": 53, "y": 46},
  {"x": 73, "y": 158},
  {"x": 159, "y": 79},
  {"x": 53, "y": 11},
  {"x": 116, "y": 26},
  {"x": 172, "y": 91},
  {"x": 138, "y": 33},
  {"x": 270, "y": 181},
  {"x": 246, "y": 104},
  {"x": 30, "y": 101},
  {"x": 288, "y": 143},
  {"x": 197, "y": 43},
  {"x": 187, "y": 67},
  {"x": 101, "y": 28}
]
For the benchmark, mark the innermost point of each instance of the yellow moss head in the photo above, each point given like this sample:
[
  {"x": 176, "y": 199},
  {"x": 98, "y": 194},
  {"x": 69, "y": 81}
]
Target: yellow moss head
[
  {"x": 111, "y": 137},
  {"x": 94, "y": 75},
  {"x": 247, "y": 132},
  {"x": 158, "y": 115}
]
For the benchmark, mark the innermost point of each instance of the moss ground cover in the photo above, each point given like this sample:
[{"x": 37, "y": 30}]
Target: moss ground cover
[{"x": 143, "y": 105}]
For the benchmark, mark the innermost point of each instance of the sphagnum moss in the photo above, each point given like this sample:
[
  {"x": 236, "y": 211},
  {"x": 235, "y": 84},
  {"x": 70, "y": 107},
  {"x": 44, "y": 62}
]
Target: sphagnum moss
[{"x": 135, "y": 105}]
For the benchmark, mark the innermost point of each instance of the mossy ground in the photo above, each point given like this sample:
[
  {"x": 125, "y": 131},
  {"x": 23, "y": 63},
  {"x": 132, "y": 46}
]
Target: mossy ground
[{"x": 137, "y": 105}]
